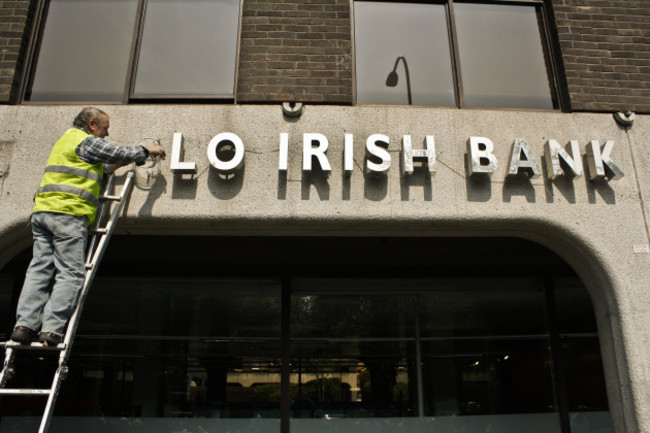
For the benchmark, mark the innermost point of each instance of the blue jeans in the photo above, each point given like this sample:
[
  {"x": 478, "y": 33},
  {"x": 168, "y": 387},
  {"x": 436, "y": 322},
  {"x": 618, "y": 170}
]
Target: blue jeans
[{"x": 59, "y": 244}]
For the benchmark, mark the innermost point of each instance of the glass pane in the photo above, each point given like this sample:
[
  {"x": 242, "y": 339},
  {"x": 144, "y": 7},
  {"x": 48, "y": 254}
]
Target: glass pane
[
  {"x": 477, "y": 384},
  {"x": 485, "y": 352},
  {"x": 484, "y": 307},
  {"x": 188, "y": 48},
  {"x": 585, "y": 384},
  {"x": 575, "y": 312},
  {"x": 501, "y": 56},
  {"x": 416, "y": 34},
  {"x": 352, "y": 354},
  {"x": 85, "y": 49},
  {"x": 481, "y": 343},
  {"x": 582, "y": 361}
]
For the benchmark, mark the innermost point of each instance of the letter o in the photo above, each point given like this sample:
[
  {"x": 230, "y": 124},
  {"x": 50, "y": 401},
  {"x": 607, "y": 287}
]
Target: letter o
[{"x": 235, "y": 162}]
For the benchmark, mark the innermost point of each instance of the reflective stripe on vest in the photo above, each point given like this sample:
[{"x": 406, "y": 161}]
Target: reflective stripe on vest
[
  {"x": 73, "y": 171},
  {"x": 70, "y": 190}
]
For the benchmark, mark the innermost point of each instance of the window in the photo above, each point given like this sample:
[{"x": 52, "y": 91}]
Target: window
[
  {"x": 186, "y": 46},
  {"x": 464, "y": 54},
  {"x": 180, "y": 49},
  {"x": 430, "y": 354},
  {"x": 411, "y": 37},
  {"x": 85, "y": 51}
]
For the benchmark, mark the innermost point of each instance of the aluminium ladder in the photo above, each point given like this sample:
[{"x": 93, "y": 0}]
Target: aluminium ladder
[{"x": 96, "y": 248}]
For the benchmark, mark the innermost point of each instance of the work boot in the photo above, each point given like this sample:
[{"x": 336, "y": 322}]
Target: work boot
[
  {"x": 23, "y": 335},
  {"x": 50, "y": 339}
]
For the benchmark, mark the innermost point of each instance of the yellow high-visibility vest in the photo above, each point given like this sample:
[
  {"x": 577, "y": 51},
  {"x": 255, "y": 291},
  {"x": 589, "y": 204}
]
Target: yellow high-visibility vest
[{"x": 70, "y": 185}]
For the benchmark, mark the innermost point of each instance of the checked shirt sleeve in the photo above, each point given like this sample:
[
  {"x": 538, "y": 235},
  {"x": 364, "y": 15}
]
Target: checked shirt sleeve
[{"x": 94, "y": 150}]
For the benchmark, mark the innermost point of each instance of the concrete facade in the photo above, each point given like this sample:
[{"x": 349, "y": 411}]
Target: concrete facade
[{"x": 599, "y": 227}]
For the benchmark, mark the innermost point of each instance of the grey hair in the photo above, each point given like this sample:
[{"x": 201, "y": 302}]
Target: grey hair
[{"x": 86, "y": 115}]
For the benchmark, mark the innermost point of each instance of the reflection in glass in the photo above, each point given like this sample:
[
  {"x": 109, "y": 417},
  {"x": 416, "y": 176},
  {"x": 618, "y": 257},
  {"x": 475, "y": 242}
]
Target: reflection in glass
[
  {"x": 85, "y": 51},
  {"x": 501, "y": 56},
  {"x": 188, "y": 48},
  {"x": 350, "y": 355},
  {"x": 417, "y": 32},
  {"x": 482, "y": 344},
  {"x": 485, "y": 348},
  {"x": 393, "y": 78}
]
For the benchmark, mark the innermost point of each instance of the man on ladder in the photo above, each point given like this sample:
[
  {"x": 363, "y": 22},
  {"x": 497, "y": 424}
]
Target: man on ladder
[{"x": 65, "y": 205}]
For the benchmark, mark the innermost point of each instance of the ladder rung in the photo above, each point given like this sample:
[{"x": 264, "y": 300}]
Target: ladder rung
[
  {"x": 89, "y": 265},
  {"x": 34, "y": 346},
  {"x": 111, "y": 197},
  {"x": 25, "y": 391},
  {"x": 101, "y": 231}
]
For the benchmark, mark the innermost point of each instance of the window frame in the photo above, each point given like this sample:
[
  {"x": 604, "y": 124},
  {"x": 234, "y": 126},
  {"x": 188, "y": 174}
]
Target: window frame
[
  {"x": 128, "y": 95},
  {"x": 544, "y": 24}
]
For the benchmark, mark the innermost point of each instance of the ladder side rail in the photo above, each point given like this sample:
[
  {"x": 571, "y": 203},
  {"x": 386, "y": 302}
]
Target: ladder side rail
[
  {"x": 74, "y": 320},
  {"x": 8, "y": 367},
  {"x": 106, "y": 204},
  {"x": 95, "y": 259}
]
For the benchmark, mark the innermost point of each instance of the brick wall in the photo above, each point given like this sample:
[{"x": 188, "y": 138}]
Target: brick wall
[
  {"x": 295, "y": 50},
  {"x": 15, "y": 18},
  {"x": 300, "y": 50},
  {"x": 606, "y": 53}
]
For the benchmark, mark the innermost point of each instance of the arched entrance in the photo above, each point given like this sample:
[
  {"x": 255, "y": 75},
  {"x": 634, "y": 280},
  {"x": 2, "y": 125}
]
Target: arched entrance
[{"x": 304, "y": 334}]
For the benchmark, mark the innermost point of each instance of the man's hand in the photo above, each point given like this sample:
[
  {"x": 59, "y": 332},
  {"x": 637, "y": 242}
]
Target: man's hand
[{"x": 156, "y": 150}]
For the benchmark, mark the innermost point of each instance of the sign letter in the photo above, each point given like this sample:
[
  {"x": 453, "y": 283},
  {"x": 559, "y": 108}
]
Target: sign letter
[
  {"x": 348, "y": 155},
  {"x": 479, "y": 156},
  {"x": 409, "y": 154},
  {"x": 176, "y": 164},
  {"x": 521, "y": 159},
  {"x": 308, "y": 150},
  {"x": 601, "y": 165},
  {"x": 554, "y": 153},
  {"x": 235, "y": 162},
  {"x": 376, "y": 147},
  {"x": 284, "y": 152}
]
